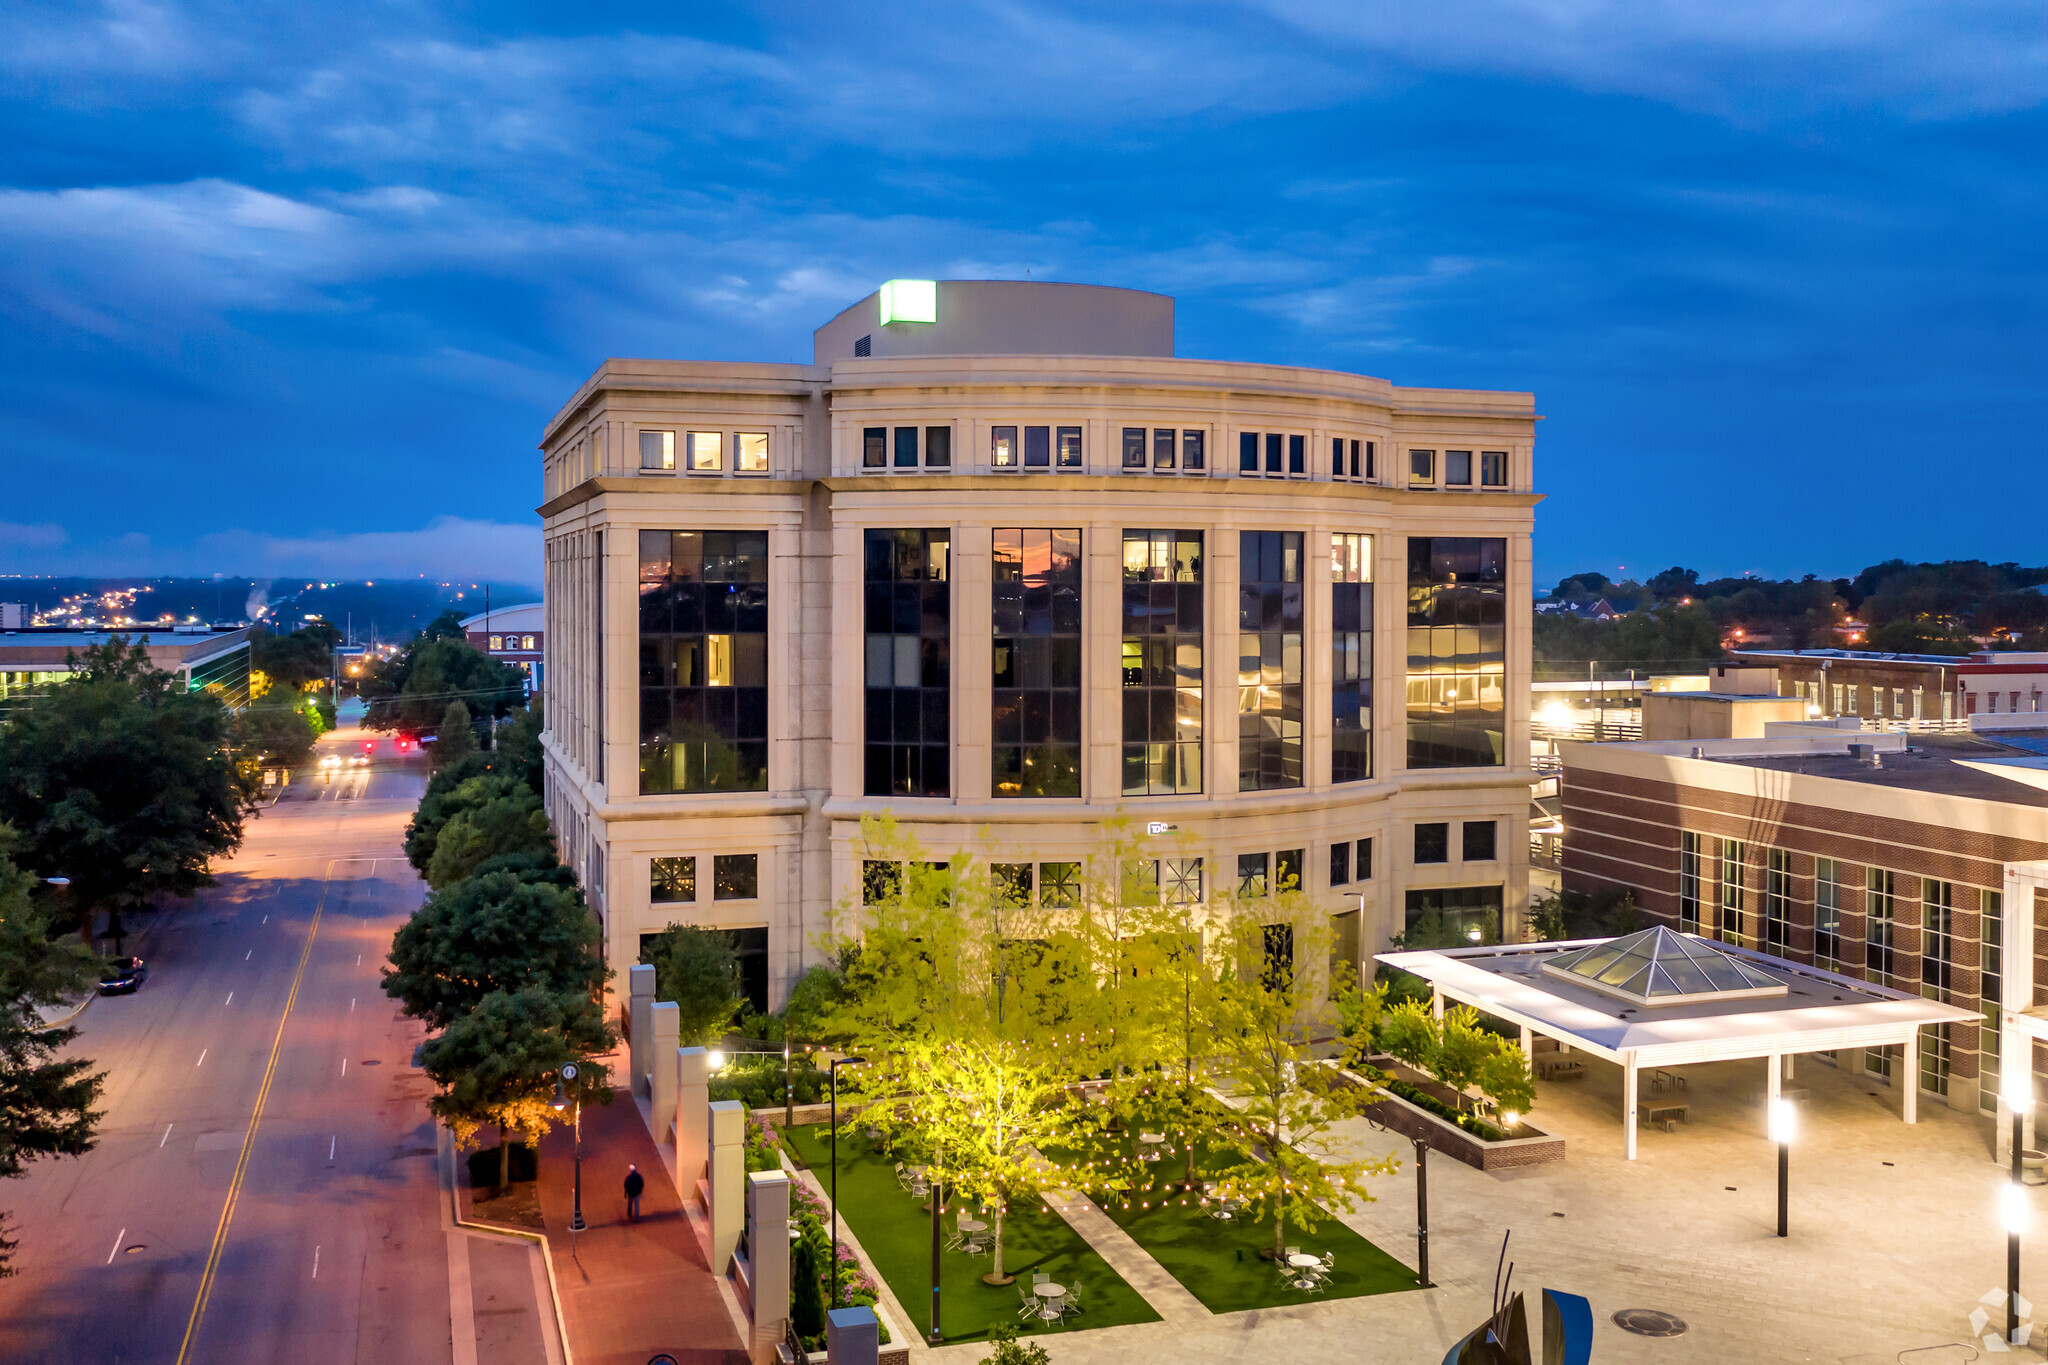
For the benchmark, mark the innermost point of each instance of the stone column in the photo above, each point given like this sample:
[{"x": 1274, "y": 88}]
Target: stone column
[
  {"x": 664, "y": 1023},
  {"x": 641, "y": 979},
  {"x": 768, "y": 1257},
  {"x": 728, "y": 1180},
  {"x": 853, "y": 1336},
  {"x": 692, "y": 1118}
]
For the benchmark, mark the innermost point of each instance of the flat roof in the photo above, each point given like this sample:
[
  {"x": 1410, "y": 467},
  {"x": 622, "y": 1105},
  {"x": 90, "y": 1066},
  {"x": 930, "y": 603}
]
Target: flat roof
[
  {"x": 46, "y": 648},
  {"x": 1818, "y": 1011},
  {"x": 1937, "y": 763}
]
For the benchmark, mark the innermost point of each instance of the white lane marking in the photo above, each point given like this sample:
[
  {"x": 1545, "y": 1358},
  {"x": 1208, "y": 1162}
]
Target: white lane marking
[
  {"x": 351, "y": 1004},
  {"x": 119, "y": 1238},
  {"x": 330, "y": 1145},
  {"x": 202, "y": 1058},
  {"x": 359, "y": 959},
  {"x": 167, "y": 1135},
  {"x": 316, "y": 1263},
  {"x": 230, "y": 1000},
  {"x": 344, "y": 1066},
  {"x": 246, "y": 956},
  {"x": 266, "y": 919}
]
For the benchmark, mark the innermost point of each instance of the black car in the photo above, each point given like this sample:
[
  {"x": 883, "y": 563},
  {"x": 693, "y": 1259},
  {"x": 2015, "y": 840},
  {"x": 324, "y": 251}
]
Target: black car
[{"x": 122, "y": 975}]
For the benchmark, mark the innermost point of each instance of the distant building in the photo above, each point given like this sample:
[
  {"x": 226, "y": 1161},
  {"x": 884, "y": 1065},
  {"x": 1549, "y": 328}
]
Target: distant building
[
  {"x": 514, "y": 635},
  {"x": 1907, "y": 687},
  {"x": 1915, "y": 861},
  {"x": 202, "y": 658},
  {"x": 13, "y": 616}
]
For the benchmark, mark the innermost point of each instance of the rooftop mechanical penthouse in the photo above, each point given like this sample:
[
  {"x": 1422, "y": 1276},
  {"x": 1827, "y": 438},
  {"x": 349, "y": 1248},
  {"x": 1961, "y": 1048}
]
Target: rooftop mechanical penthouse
[{"x": 1000, "y": 562}]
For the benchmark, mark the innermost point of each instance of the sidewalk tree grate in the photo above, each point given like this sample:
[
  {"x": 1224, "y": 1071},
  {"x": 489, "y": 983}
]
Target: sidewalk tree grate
[{"x": 1649, "y": 1322}]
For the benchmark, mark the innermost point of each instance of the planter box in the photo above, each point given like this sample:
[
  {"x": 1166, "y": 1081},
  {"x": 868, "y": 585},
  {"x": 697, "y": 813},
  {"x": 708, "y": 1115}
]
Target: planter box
[{"x": 1412, "y": 1121}]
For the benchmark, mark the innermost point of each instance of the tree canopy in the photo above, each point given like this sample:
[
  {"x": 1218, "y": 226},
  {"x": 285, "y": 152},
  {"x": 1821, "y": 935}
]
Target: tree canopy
[
  {"x": 410, "y": 692},
  {"x": 492, "y": 932},
  {"x": 46, "y": 1101},
  {"x": 121, "y": 782},
  {"x": 698, "y": 971},
  {"x": 292, "y": 661},
  {"x": 508, "y": 819}
]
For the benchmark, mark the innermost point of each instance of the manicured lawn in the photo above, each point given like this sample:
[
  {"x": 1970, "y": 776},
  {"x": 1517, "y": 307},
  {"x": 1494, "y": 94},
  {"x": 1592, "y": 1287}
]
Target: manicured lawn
[
  {"x": 1218, "y": 1261},
  {"x": 896, "y": 1232}
]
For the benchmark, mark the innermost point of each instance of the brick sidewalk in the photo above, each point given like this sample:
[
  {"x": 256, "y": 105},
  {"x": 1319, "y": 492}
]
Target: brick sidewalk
[{"x": 629, "y": 1290}]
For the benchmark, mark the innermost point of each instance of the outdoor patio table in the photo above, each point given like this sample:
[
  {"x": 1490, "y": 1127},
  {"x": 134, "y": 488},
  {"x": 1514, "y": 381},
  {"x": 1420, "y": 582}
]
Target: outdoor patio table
[
  {"x": 1049, "y": 1290},
  {"x": 1051, "y": 1301},
  {"x": 1304, "y": 1262},
  {"x": 1670, "y": 1113},
  {"x": 1153, "y": 1140}
]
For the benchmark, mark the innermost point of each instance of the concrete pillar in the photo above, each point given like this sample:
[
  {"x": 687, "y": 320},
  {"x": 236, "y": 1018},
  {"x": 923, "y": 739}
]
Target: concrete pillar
[
  {"x": 1910, "y": 1082},
  {"x": 1628, "y": 1104},
  {"x": 640, "y": 978},
  {"x": 664, "y": 1024},
  {"x": 1788, "y": 1065},
  {"x": 1436, "y": 1002},
  {"x": 728, "y": 1178},
  {"x": 768, "y": 1257},
  {"x": 853, "y": 1336},
  {"x": 692, "y": 1117},
  {"x": 1528, "y": 1043}
]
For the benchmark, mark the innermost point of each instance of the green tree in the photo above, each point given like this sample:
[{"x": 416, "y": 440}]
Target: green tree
[
  {"x": 1462, "y": 1048},
  {"x": 274, "y": 734},
  {"x": 498, "y": 1064},
  {"x": 295, "y": 660},
  {"x": 121, "y": 782},
  {"x": 1408, "y": 1033},
  {"x": 492, "y": 933},
  {"x": 448, "y": 794},
  {"x": 1269, "y": 1007},
  {"x": 807, "y": 1294},
  {"x": 46, "y": 1101},
  {"x": 699, "y": 972},
  {"x": 455, "y": 739},
  {"x": 816, "y": 995},
  {"x": 518, "y": 744},
  {"x": 1504, "y": 1078},
  {"x": 410, "y": 692},
  {"x": 512, "y": 822}
]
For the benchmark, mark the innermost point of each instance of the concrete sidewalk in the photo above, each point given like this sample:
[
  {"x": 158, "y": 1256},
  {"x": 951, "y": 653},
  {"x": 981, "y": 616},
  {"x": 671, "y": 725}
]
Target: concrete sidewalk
[{"x": 629, "y": 1290}]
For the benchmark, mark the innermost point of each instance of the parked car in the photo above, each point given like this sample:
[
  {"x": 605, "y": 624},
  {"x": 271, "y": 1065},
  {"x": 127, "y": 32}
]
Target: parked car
[{"x": 122, "y": 975}]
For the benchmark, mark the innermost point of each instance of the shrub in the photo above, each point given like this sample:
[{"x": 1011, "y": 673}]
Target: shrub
[{"x": 1422, "y": 1099}]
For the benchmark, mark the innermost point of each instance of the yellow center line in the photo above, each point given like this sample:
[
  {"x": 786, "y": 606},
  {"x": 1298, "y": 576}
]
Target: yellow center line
[{"x": 227, "y": 1213}]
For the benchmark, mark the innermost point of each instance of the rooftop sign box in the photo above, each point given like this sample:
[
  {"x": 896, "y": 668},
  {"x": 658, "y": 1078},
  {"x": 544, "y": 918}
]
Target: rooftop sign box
[{"x": 910, "y": 301}]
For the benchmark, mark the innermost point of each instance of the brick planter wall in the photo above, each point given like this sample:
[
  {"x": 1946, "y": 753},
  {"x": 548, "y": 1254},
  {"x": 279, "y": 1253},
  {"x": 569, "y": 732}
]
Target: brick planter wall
[{"x": 1412, "y": 1121}]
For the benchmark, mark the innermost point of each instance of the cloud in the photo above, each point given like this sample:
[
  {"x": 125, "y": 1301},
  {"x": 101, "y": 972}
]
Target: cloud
[{"x": 446, "y": 547}]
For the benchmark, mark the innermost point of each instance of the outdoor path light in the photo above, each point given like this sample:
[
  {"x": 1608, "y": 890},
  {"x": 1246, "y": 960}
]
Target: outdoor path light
[
  {"x": 832, "y": 1071},
  {"x": 1781, "y": 1133}
]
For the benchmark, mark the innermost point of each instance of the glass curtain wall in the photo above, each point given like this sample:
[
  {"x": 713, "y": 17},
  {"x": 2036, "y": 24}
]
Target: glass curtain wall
[
  {"x": 1269, "y": 695},
  {"x": 1036, "y": 708},
  {"x": 1457, "y": 652},
  {"x": 1350, "y": 657},
  {"x": 908, "y": 610},
  {"x": 1162, "y": 662},
  {"x": 703, "y": 661}
]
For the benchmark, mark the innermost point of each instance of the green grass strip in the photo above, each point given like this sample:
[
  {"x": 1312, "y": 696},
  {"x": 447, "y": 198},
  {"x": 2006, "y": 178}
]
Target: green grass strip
[
  {"x": 896, "y": 1232},
  {"x": 1218, "y": 1261}
]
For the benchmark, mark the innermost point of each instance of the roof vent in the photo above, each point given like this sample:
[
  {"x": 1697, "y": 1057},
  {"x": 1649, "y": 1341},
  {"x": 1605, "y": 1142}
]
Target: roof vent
[
  {"x": 1864, "y": 754},
  {"x": 865, "y": 346},
  {"x": 1699, "y": 751}
]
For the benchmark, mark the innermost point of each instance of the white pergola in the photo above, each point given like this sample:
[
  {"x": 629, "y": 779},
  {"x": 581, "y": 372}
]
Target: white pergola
[{"x": 1659, "y": 998}]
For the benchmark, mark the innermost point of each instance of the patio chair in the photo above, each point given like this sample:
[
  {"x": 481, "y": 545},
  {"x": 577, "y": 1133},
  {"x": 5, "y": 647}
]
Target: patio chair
[
  {"x": 1027, "y": 1306},
  {"x": 1053, "y": 1309},
  {"x": 1039, "y": 1277},
  {"x": 1071, "y": 1301}
]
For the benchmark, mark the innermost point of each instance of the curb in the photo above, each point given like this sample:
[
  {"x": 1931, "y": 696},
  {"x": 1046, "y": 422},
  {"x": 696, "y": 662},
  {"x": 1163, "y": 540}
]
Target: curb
[
  {"x": 52, "y": 1025},
  {"x": 448, "y": 1155}
]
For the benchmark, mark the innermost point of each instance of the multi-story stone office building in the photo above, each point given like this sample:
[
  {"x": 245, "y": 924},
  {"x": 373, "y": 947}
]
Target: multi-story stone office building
[{"x": 999, "y": 562}]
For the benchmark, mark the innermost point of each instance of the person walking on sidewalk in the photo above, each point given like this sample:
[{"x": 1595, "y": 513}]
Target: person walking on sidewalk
[{"x": 635, "y": 1183}]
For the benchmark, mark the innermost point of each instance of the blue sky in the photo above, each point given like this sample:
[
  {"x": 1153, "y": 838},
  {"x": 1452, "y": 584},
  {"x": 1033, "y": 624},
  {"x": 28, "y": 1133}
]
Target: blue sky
[{"x": 293, "y": 287}]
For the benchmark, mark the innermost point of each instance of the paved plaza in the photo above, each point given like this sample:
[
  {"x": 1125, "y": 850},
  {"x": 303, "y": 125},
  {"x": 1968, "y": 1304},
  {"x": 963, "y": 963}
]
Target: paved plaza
[{"x": 1895, "y": 1235}]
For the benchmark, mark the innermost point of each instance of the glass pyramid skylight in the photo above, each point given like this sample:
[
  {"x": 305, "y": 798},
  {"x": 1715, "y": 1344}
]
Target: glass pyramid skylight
[{"x": 1659, "y": 967}]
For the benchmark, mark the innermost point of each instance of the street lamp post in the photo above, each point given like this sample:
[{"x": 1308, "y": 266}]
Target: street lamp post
[
  {"x": 2019, "y": 1096},
  {"x": 1781, "y": 1133},
  {"x": 832, "y": 1073},
  {"x": 570, "y": 1073},
  {"x": 1422, "y": 1214}
]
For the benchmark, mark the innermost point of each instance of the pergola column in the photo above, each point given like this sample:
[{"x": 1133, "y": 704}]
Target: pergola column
[
  {"x": 1436, "y": 1002},
  {"x": 1628, "y": 1104},
  {"x": 1528, "y": 1043},
  {"x": 1911, "y": 1095},
  {"x": 1773, "y": 1076}
]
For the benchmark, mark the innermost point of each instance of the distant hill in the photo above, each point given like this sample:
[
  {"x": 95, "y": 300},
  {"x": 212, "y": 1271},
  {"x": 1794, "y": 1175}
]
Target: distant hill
[{"x": 380, "y": 610}]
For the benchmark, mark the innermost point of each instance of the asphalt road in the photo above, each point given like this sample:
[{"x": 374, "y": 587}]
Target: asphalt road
[{"x": 332, "y": 1250}]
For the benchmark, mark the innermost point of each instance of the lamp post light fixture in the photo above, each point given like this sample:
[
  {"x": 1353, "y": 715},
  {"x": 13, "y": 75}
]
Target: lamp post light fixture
[
  {"x": 570, "y": 1073},
  {"x": 2017, "y": 1088},
  {"x": 1782, "y": 1124},
  {"x": 832, "y": 1072}
]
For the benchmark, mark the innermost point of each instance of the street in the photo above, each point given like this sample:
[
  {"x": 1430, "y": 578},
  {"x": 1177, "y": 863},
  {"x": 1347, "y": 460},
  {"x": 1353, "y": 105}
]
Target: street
[{"x": 264, "y": 1188}]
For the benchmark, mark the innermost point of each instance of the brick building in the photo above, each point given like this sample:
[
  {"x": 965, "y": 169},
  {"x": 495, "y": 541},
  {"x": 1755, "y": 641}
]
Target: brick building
[{"x": 1915, "y": 867}]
